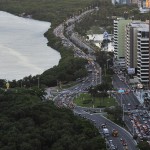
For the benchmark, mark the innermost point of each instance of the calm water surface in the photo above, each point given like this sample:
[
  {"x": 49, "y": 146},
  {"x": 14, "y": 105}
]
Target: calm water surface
[{"x": 23, "y": 48}]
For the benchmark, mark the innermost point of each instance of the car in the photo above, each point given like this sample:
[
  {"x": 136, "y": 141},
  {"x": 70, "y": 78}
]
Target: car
[
  {"x": 127, "y": 91},
  {"x": 113, "y": 147},
  {"x": 103, "y": 126},
  {"x": 129, "y": 104},
  {"x": 146, "y": 116},
  {"x": 145, "y": 112},
  {"x": 129, "y": 109},
  {"x": 110, "y": 142},
  {"x": 141, "y": 114},
  {"x": 145, "y": 122},
  {"x": 143, "y": 119},
  {"x": 124, "y": 143}
]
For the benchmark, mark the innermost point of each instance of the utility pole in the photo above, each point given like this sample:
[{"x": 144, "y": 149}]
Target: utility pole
[
  {"x": 105, "y": 69},
  {"x": 96, "y": 79},
  {"x": 121, "y": 99},
  {"x": 123, "y": 113},
  {"x": 100, "y": 75}
]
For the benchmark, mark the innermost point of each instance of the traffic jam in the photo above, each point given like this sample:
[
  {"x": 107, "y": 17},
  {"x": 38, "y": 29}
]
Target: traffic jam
[
  {"x": 114, "y": 133},
  {"x": 140, "y": 121}
]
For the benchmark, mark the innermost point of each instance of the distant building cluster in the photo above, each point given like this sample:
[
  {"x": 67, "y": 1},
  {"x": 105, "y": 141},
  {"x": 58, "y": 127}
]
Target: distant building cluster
[
  {"x": 142, "y": 4},
  {"x": 131, "y": 46}
]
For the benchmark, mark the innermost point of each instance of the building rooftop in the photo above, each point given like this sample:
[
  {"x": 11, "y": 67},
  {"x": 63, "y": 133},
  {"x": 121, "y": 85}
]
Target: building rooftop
[{"x": 143, "y": 27}]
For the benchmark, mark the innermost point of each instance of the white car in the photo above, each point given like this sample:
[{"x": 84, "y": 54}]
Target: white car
[{"x": 129, "y": 104}]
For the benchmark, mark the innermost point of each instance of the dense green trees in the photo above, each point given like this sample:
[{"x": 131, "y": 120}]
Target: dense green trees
[
  {"x": 143, "y": 145},
  {"x": 69, "y": 69},
  {"x": 106, "y": 14},
  {"x": 56, "y": 12},
  {"x": 27, "y": 123}
]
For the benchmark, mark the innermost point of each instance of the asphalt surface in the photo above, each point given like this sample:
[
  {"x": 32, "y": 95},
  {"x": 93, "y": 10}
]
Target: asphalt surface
[
  {"x": 65, "y": 97},
  {"x": 129, "y": 98},
  {"x": 98, "y": 120}
]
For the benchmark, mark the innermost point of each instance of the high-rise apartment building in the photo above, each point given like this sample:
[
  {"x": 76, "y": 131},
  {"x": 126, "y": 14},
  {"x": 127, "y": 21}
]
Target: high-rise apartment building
[
  {"x": 131, "y": 44},
  {"x": 122, "y": 2},
  {"x": 119, "y": 37},
  {"x": 143, "y": 54},
  {"x": 137, "y": 49}
]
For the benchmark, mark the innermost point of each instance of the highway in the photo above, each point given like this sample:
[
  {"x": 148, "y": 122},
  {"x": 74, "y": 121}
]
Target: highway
[
  {"x": 138, "y": 119},
  {"x": 98, "y": 119},
  {"x": 65, "y": 97},
  {"x": 126, "y": 98}
]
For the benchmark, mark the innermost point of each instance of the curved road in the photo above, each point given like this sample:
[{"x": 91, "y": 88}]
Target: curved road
[
  {"x": 65, "y": 97},
  {"x": 99, "y": 119}
]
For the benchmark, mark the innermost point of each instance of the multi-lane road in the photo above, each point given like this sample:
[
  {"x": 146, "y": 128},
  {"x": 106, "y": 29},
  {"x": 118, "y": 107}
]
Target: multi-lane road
[
  {"x": 65, "y": 98},
  {"x": 98, "y": 120}
]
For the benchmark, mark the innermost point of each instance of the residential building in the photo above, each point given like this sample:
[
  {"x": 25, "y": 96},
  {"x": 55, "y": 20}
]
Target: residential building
[
  {"x": 124, "y": 2},
  {"x": 134, "y": 2},
  {"x": 131, "y": 44},
  {"x": 143, "y": 54},
  {"x": 137, "y": 49},
  {"x": 119, "y": 37}
]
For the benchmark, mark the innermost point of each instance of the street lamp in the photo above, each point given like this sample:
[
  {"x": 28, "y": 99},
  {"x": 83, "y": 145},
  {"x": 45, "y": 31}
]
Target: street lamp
[
  {"x": 96, "y": 78},
  {"x": 107, "y": 62},
  {"x": 123, "y": 113},
  {"x": 93, "y": 96},
  {"x": 121, "y": 99},
  {"x": 100, "y": 75},
  {"x": 133, "y": 130}
]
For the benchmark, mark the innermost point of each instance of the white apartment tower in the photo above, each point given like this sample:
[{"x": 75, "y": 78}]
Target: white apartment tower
[
  {"x": 116, "y": 38},
  {"x": 143, "y": 54}
]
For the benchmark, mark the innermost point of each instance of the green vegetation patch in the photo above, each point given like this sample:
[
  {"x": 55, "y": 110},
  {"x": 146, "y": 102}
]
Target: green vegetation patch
[
  {"x": 55, "y": 11},
  {"x": 27, "y": 123},
  {"x": 86, "y": 100}
]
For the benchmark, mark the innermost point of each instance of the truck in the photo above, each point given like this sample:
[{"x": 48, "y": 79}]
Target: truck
[{"x": 114, "y": 133}]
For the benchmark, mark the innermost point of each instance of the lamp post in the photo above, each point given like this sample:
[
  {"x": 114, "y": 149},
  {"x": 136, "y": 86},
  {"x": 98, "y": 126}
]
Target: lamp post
[
  {"x": 133, "y": 130},
  {"x": 100, "y": 75},
  {"x": 105, "y": 69},
  {"x": 96, "y": 78},
  {"x": 93, "y": 96},
  {"x": 121, "y": 99},
  {"x": 123, "y": 113}
]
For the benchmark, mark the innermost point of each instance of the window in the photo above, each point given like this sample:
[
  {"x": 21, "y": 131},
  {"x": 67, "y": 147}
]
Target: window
[{"x": 145, "y": 35}]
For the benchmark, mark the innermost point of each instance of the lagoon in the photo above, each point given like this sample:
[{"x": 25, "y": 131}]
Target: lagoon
[{"x": 23, "y": 47}]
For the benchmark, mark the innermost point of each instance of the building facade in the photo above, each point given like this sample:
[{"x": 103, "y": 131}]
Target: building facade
[
  {"x": 143, "y": 54},
  {"x": 119, "y": 37},
  {"x": 131, "y": 44},
  {"x": 124, "y": 2}
]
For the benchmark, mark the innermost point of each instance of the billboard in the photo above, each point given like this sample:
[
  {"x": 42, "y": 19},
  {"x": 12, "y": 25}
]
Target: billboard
[
  {"x": 120, "y": 91},
  {"x": 147, "y": 3},
  {"x": 131, "y": 70}
]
